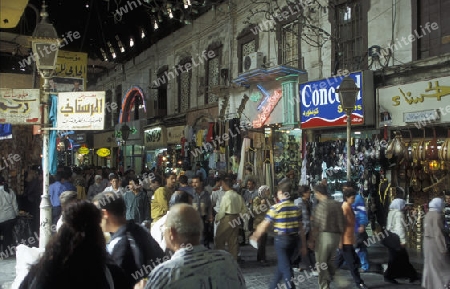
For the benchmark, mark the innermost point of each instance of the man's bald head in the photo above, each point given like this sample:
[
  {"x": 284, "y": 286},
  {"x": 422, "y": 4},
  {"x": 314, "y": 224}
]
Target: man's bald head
[{"x": 186, "y": 222}]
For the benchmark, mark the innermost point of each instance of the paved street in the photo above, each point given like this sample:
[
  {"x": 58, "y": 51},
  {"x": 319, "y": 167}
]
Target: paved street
[{"x": 258, "y": 276}]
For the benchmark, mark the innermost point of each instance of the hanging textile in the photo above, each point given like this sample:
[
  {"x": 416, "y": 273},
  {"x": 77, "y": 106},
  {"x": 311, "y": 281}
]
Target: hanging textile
[
  {"x": 53, "y": 134},
  {"x": 269, "y": 177},
  {"x": 244, "y": 149},
  {"x": 210, "y": 134},
  {"x": 199, "y": 138}
]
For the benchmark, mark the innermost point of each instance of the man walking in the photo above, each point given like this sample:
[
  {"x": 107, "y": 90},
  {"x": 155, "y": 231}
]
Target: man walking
[
  {"x": 287, "y": 223},
  {"x": 231, "y": 206},
  {"x": 136, "y": 202},
  {"x": 202, "y": 203},
  {"x": 327, "y": 226},
  {"x": 348, "y": 238}
]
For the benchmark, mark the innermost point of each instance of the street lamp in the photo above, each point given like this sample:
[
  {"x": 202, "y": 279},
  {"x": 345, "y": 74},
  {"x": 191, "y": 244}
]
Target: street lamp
[
  {"x": 125, "y": 130},
  {"x": 347, "y": 94},
  {"x": 45, "y": 46}
]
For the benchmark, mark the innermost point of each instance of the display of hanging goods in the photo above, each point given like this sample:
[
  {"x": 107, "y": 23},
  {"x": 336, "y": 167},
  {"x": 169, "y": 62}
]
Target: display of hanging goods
[
  {"x": 432, "y": 149},
  {"x": 444, "y": 152},
  {"x": 419, "y": 151},
  {"x": 397, "y": 148}
]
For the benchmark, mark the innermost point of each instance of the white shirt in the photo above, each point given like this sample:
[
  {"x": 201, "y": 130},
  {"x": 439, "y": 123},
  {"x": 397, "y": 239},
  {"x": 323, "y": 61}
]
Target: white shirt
[
  {"x": 197, "y": 267},
  {"x": 156, "y": 233},
  {"x": 8, "y": 205},
  {"x": 120, "y": 191}
]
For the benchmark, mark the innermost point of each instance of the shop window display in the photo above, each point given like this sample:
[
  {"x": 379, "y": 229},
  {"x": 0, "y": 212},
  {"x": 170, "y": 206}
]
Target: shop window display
[{"x": 287, "y": 156}]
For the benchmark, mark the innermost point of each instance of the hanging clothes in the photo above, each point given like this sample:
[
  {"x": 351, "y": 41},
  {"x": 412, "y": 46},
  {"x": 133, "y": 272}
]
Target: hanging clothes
[
  {"x": 210, "y": 134},
  {"x": 199, "y": 138},
  {"x": 52, "y": 155},
  {"x": 244, "y": 149}
]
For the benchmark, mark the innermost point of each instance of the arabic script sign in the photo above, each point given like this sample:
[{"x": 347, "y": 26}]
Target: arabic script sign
[
  {"x": 83, "y": 110},
  {"x": 405, "y": 104},
  {"x": 19, "y": 106}
]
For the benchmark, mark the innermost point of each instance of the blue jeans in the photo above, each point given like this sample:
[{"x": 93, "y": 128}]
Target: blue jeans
[{"x": 285, "y": 246}]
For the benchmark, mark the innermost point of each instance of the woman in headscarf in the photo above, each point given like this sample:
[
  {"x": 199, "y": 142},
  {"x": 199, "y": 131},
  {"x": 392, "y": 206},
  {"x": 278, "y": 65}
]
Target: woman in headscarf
[
  {"x": 436, "y": 271},
  {"x": 398, "y": 264},
  {"x": 261, "y": 205}
]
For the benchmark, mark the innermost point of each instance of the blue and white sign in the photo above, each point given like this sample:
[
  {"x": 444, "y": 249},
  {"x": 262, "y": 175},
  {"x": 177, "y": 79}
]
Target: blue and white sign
[{"x": 320, "y": 104}]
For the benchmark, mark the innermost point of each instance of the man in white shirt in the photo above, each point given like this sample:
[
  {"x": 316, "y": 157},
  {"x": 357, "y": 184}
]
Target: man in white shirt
[
  {"x": 192, "y": 265},
  {"x": 115, "y": 182},
  {"x": 232, "y": 207}
]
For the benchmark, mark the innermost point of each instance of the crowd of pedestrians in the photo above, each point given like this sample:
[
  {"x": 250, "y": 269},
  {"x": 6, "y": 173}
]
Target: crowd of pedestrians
[{"x": 153, "y": 232}]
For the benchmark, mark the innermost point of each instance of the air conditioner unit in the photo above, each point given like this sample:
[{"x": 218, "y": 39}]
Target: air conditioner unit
[{"x": 253, "y": 61}]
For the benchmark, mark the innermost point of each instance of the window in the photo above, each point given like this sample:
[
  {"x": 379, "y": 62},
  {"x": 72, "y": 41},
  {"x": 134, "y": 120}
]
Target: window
[
  {"x": 184, "y": 85},
  {"x": 213, "y": 66},
  {"x": 288, "y": 33},
  {"x": 247, "y": 43},
  {"x": 289, "y": 50},
  {"x": 350, "y": 30},
  {"x": 431, "y": 42}
]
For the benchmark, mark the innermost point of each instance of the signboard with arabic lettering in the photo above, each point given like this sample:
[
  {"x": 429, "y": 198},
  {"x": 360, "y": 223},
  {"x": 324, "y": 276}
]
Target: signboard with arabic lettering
[
  {"x": 403, "y": 105},
  {"x": 20, "y": 106},
  {"x": 71, "y": 64},
  {"x": 83, "y": 110},
  {"x": 320, "y": 105}
]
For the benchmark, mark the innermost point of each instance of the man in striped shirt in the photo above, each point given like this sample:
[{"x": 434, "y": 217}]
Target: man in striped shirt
[{"x": 287, "y": 223}]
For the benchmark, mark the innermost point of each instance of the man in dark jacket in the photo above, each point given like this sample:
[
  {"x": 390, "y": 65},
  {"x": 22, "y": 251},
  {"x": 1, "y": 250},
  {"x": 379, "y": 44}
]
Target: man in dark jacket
[{"x": 131, "y": 245}]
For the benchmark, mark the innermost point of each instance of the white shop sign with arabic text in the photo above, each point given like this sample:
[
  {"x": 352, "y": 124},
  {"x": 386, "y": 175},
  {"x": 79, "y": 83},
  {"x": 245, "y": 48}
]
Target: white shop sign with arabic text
[
  {"x": 84, "y": 110},
  {"x": 418, "y": 103},
  {"x": 19, "y": 106}
]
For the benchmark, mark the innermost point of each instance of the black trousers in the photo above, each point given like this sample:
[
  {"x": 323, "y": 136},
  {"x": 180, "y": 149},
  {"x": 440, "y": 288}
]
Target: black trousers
[
  {"x": 207, "y": 232},
  {"x": 6, "y": 230},
  {"x": 351, "y": 259}
]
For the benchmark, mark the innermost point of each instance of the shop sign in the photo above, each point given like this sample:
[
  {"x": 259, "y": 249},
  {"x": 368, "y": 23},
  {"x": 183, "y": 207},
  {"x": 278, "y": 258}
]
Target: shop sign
[
  {"x": 103, "y": 152},
  {"x": 174, "y": 134},
  {"x": 20, "y": 106},
  {"x": 320, "y": 104},
  {"x": 266, "y": 107},
  {"x": 83, "y": 150},
  {"x": 403, "y": 105},
  {"x": 155, "y": 137},
  {"x": 419, "y": 116},
  {"x": 83, "y": 110}
]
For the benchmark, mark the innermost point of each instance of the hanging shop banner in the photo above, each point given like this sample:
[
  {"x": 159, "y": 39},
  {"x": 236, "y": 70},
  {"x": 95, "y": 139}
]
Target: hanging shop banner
[
  {"x": 19, "y": 106},
  {"x": 415, "y": 104},
  {"x": 174, "y": 134},
  {"x": 81, "y": 110},
  {"x": 320, "y": 103}
]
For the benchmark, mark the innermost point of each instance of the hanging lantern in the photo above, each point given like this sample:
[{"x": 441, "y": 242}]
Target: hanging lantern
[
  {"x": 83, "y": 150},
  {"x": 434, "y": 165},
  {"x": 103, "y": 152}
]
